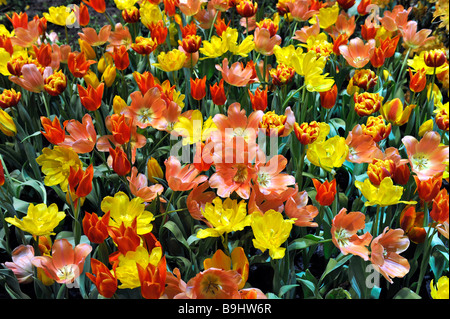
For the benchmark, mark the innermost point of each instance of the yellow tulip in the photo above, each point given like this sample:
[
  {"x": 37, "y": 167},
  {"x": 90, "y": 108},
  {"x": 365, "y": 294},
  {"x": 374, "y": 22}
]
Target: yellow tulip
[
  {"x": 386, "y": 194},
  {"x": 441, "y": 290},
  {"x": 170, "y": 61},
  {"x": 119, "y": 104},
  {"x": 40, "y": 219},
  {"x": 426, "y": 127},
  {"x": 127, "y": 271},
  {"x": 327, "y": 16},
  {"x": 328, "y": 154},
  {"x": 123, "y": 210},
  {"x": 62, "y": 15},
  {"x": 109, "y": 75},
  {"x": 124, "y": 4},
  {"x": 224, "y": 217},
  {"x": 271, "y": 230},
  {"x": 194, "y": 130},
  {"x": 91, "y": 79},
  {"x": 154, "y": 170},
  {"x": 87, "y": 49},
  {"x": 7, "y": 125}
]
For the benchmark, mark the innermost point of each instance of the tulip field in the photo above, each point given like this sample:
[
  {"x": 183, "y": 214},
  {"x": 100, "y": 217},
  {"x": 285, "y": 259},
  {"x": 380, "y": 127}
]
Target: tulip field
[{"x": 224, "y": 149}]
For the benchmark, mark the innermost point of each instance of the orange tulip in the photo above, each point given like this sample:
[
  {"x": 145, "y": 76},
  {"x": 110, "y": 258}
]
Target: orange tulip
[
  {"x": 264, "y": 42},
  {"x": 362, "y": 7},
  {"x": 144, "y": 81},
  {"x": 152, "y": 279},
  {"x": 32, "y": 78},
  {"x": 341, "y": 39},
  {"x": 328, "y": 98},
  {"x": 2, "y": 175},
  {"x": 369, "y": 29},
  {"x": 367, "y": 103},
  {"x": 411, "y": 222},
  {"x": 343, "y": 232},
  {"x": 282, "y": 74},
  {"x": 95, "y": 227},
  {"x": 78, "y": 65},
  {"x": 402, "y": 174},
  {"x": 80, "y": 182},
  {"x": 415, "y": 39},
  {"x": 389, "y": 45},
  {"x": 53, "y": 131},
  {"x": 378, "y": 58},
  {"x": 82, "y": 14},
  {"x": 6, "y": 43},
  {"x": 126, "y": 238},
  {"x": 191, "y": 43},
  {"x": 9, "y": 98},
  {"x": 428, "y": 189},
  {"x": 198, "y": 88},
  {"x": 326, "y": 192},
  {"x": 214, "y": 283},
  {"x": 121, "y": 128},
  {"x": 121, "y": 165},
  {"x": 158, "y": 32},
  {"x": 258, "y": 99},
  {"x": 170, "y": 7},
  {"x": 307, "y": 133},
  {"x": 440, "y": 210},
  {"x": 144, "y": 46},
  {"x": 362, "y": 147},
  {"x": 103, "y": 278},
  {"x": 91, "y": 98},
  {"x": 296, "y": 206},
  {"x": 19, "y": 20},
  {"x": 218, "y": 93},
  {"x": 82, "y": 136},
  {"x": 90, "y": 35},
  {"x": 197, "y": 199},
  {"x": 418, "y": 81},
  {"x": 97, "y": 5},
  {"x": 43, "y": 54},
  {"x": 121, "y": 58}
]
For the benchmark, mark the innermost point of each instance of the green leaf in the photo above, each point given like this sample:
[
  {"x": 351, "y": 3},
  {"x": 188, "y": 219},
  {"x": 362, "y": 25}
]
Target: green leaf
[
  {"x": 338, "y": 293},
  {"x": 334, "y": 264},
  {"x": 406, "y": 293},
  {"x": 284, "y": 289},
  {"x": 303, "y": 243}
]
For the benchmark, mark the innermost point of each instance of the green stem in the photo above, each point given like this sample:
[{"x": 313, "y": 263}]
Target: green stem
[
  {"x": 426, "y": 257},
  {"x": 61, "y": 291},
  {"x": 212, "y": 25}
]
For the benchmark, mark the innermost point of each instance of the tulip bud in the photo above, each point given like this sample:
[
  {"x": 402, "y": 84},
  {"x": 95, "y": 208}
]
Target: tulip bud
[
  {"x": 377, "y": 58},
  {"x": 131, "y": 15},
  {"x": 120, "y": 163},
  {"x": 218, "y": 93},
  {"x": 282, "y": 74},
  {"x": 273, "y": 123},
  {"x": 326, "y": 192},
  {"x": 402, "y": 174},
  {"x": 259, "y": 99},
  {"x": 440, "y": 209},
  {"x": 121, "y": 58},
  {"x": 435, "y": 58},
  {"x": 118, "y": 104},
  {"x": 426, "y": 127},
  {"x": 328, "y": 98},
  {"x": 109, "y": 75},
  {"x": 198, "y": 88},
  {"x": 365, "y": 79},
  {"x": 367, "y": 103},
  {"x": 144, "y": 46},
  {"x": 418, "y": 81},
  {"x": 442, "y": 120},
  {"x": 154, "y": 170},
  {"x": 53, "y": 131},
  {"x": 7, "y": 125},
  {"x": 377, "y": 128},
  {"x": 246, "y": 8}
]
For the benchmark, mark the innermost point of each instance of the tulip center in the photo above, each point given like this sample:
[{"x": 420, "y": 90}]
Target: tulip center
[
  {"x": 342, "y": 237},
  {"x": 241, "y": 173},
  {"x": 67, "y": 273},
  {"x": 145, "y": 115},
  {"x": 263, "y": 179},
  {"x": 211, "y": 286},
  {"x": 419, "y": 161}
]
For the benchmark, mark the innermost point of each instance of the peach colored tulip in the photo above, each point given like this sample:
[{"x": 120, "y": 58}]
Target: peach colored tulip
[
  {"x": 120, "y": 36},
  {"x": 182, "y": 178},
  {"x": 26, "y": 37},
  {"x": 190, "y": 7},
  {"x": 343, "y": 231},
  {"x": 414, "y": 39},
  {"x": 82, "y": 136},
  {"x": 395, "y": 19},
  {"x": 426, "y": 157},
  {"x": 139, "y": 186},
  {"x": 297, "y": 207},
  {"x": 385, "y": 250},
  {"x": 362, "y": 147},
  {"x": 264, "y": 43},
  {"x": 357, "y": 53},
  {"x": 32, "y": 79},
  {"x": 300, "y": 10},
  {"x": 235, "y": 75},
  {"x": 304, "y": 33},
  {"x": 90, "y": 35},
  {"x": 197, "y": 200},
  {"x": 66, "y": 263},
  {"x": 146, "y": 109},
  {"x": 21, "y": 263}
]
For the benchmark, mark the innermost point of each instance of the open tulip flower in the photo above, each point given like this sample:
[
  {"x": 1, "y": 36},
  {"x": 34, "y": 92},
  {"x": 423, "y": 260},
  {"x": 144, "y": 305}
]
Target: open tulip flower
[{"x": 224, "y": 149}]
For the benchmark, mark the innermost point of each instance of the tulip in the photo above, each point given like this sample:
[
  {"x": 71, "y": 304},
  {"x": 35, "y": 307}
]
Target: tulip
[
  {"x": 53, "y": 131},
  {"x": 9, "y": 98},
  {"x": 82, "y": 14},
  {"x": 78, "y": 65},
  {"x": 393, "y": 112},
  {"x": 109, "y": 75},
  {"x": 357, "y": 53},
  {"x": 121, "y": 128},
  {"x": 439, "y": 291},
  {"x": 378, "y": 58},
  {"x": 97, "y": 5},
  {"x": 440, "y": 209},
  {"x": 258, "y": 99},
  {"x": 2, "y": 175},
  {"x": 7, "y": 125},
  {"x": 91, "y": 98},
  {"x": 380, "y": 169},
  {"x": 154, "y": 170},
  {"x": 121, "y": 58},
  {"x": 80, "y": 182},
  {"x": 198, "y": 88},
  {"x": 328, "y": 98},
  {"x": 56, "y": 83},
  {"x": 389, "y": 46},
  {"x": 282, "y": 74},
  {"x": 153, "y": 279},
  {"x": 362, "y": 7},
  {"x": 21, "y": 264},
  {"x": 326, "y": 192},
  {"x": 191, "y": 43},
  {"x": 90, "y": 35},
  {"x": 87, "y": 49},
  {"x": 95, "y": 227},
  {"x": 170, "y": 61},
  {"x": 247, "y": 8},
  {"x": 411, "y": 222},
  {"x": 402, "y": 174},
  {"x": 103, "y": 278},
  {"x": 386, "y": 194},
  {"x": 131, "y": 15},
  {"x": 121, "y": 165},
  {"x": 377, "y": 128},
  {"x": 62, "y": 16},
  {"x": 19, "y": 20},
  {"x": 43, "y": 54},
  {"x": 32, "y": 79},
  {"x": 144, "y": 46},
  {"x": 435, "y": 58},
  {"x": 218, "y": 93},
  {"x": 418, "y": 81}
]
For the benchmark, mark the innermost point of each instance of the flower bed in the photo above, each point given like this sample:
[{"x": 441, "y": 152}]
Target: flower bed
[{"x": 291, "y": 149}]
